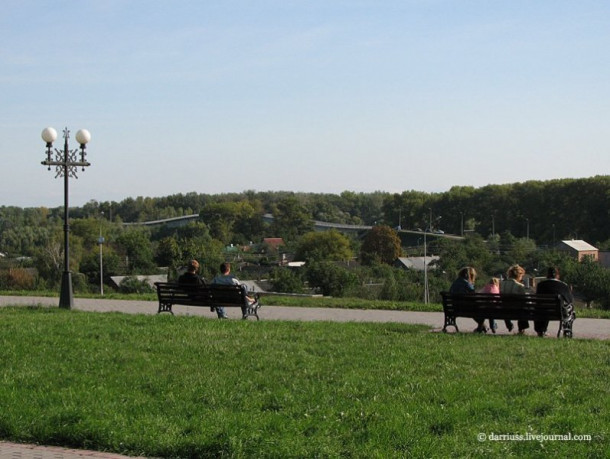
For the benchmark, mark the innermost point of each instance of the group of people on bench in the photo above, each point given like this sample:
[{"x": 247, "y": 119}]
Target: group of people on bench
[
  {"x": 192, "y": 277},
  {"x": 513, "y": 285}
]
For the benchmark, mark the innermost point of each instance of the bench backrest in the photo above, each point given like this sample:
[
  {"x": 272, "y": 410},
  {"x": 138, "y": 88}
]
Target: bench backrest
[
  {"x": 228, "y": 295},
  {"x": 200, "y": 295},
  {"x": 484, "y": 305}
]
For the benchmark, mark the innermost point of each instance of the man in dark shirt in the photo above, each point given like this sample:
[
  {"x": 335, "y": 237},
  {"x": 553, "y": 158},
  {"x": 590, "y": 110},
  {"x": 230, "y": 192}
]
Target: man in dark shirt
[{"x": 552, "y": 285}]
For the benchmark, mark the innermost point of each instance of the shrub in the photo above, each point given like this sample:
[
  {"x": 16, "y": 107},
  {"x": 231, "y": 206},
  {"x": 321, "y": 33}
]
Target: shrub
[
  {"x": 286, "y": 280},
  {"x": 134, "y": 285},
  {"x": 17, "y": 279},
  {"x": 330, "y": 279}
]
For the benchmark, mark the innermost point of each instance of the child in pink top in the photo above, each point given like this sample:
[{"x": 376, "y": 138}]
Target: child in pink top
[{"x": 493, "y": 286}]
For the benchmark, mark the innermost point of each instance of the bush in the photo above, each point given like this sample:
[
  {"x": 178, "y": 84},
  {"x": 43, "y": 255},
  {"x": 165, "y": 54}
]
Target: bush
[
  {"x": 330, "y": 279},
  {"x": 134, "y": 285},
  {"x": 286, "y": 280},
  {"x": 17, "y": 279},
  {"x": 80, "y": 284}
]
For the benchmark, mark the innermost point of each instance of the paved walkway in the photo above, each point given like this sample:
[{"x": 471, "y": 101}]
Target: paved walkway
[{"x": 583, "y": 328}]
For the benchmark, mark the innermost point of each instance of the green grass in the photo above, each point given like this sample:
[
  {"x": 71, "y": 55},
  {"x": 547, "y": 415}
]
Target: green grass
[
  {"x": 182, "y": 386},
  {"x": 348, "y": 303}
]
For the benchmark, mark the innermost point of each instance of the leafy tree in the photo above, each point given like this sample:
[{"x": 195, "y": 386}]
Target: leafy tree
[
  {"x": 112, "y": 265},
  {"x": 209, "y": 253},
  {"x": 522, "y": 250},
  {"x": 168, "y": 252},
  {"x": 233, "y": 221},
  {"x": 286, "y": 280},
  {"x": 135, "y": 244},
  {"x": 405, "y": 209},
  {"x": 290, "y": 219},
  {"x": 49, "y": 258},
  {"x": 591, "y": 281},
  {"x": 88, "y": 229},
  {"x": 327, "y": 245},
  {"x": 381, "y": 244},
  {"x": 331, "y": 279}
]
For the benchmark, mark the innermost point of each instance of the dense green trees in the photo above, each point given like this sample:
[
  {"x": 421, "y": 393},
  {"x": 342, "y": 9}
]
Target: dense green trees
[
  {"x": 290, "y": 219},
  {"x": 381, "y": 245},
  {"x": 327, "y": 245},
  {"x": 330, "y": 278},
  {"x": 505, "y": 224}
]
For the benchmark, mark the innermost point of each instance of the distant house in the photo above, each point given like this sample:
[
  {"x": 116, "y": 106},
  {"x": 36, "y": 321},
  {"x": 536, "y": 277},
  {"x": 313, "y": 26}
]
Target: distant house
[
  {"x": 274, "y": 242},
  {"x": 579, "y": 249},
  {"x": 295, "y": 264},
  {"x": 416, "y": 263}
]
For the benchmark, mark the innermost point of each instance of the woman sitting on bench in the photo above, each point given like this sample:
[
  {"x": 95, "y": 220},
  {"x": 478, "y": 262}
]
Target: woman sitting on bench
[
  {"x": 464, "y": 284},
  {"x": 513, "y": 286}
]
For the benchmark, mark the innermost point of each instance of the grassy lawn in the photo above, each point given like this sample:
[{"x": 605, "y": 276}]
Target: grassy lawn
[{"x": 182, "y": 386}]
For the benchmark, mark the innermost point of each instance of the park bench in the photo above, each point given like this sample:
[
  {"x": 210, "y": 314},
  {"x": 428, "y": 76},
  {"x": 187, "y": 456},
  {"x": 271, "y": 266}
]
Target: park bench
[
  {"x": 508, "y": 307},
  {"x": 213, "y": 296}
]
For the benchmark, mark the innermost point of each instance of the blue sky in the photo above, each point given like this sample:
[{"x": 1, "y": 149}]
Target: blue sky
[{"x": 315, "y": 96}]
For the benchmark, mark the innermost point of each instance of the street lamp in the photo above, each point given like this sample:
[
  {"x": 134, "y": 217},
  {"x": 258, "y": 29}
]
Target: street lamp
[{"x": 66, "y": 163}]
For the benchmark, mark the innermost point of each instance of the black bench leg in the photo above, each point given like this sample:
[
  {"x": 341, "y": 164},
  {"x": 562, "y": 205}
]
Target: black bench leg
[
  {"x": 450, "y": 322},
  {"x": 251, "y": 311},
  {"x": 164, "y": 307}
]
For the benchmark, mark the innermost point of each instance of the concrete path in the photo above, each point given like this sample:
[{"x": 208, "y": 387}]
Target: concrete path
[
  {"x": 583, "y": 328},
  {"x": 23, "y": 451}
]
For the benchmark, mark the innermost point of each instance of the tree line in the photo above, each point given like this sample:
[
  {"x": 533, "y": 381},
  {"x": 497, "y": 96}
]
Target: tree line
[{"x": 504, "y": 224}]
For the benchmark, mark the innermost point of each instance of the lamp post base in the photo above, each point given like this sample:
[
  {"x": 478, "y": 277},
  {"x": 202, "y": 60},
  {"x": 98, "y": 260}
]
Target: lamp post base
[{"x": 66, "y": 300}]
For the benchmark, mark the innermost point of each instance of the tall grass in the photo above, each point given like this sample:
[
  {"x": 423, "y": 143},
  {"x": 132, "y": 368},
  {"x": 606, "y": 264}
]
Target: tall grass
[{"x": 183, "y": 386}]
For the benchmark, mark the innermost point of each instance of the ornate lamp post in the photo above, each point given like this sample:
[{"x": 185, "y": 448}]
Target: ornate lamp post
[{"x": 66, "y": 163}]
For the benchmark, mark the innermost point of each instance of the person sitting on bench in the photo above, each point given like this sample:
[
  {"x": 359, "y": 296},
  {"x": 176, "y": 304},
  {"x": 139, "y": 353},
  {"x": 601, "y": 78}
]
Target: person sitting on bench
[
  {"x": 464, "y": 284},
  {"x": 552, "y": 285},
  {"x": 190, "y": 277},
  {"x": 226, "y": 278},
  {"x": 513, "y": 286}
]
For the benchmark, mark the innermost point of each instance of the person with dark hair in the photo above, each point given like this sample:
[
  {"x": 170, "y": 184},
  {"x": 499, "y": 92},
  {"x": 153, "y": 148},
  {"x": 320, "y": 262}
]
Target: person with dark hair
[
  {"x": 513, "y": 286},
  {"x": 464, "y": 284},
  {"x": 226, "y": 278},
  {"x": 190, "y": 276},
  {"x": 552, "y": 285}
]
